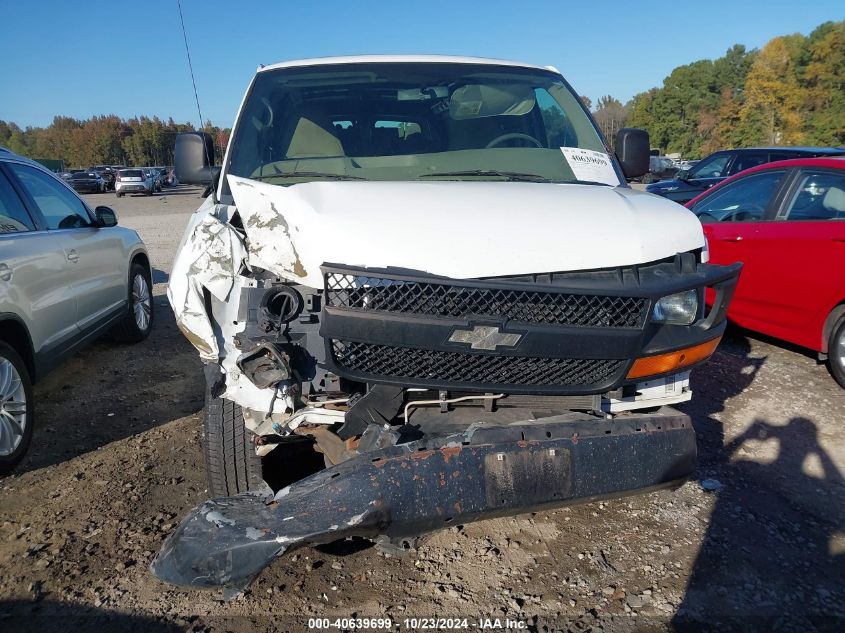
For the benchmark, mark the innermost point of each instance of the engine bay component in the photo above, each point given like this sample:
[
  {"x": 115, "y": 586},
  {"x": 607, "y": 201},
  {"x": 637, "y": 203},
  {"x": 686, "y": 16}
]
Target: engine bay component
[{"x": 265, "y": 366}]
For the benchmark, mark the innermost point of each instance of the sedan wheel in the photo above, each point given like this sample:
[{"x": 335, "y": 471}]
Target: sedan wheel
[
  {"x": 12, "y": 408},
  {"x": 138, "y": 319},
  {"x": 141, "y": 302},
  {"x": 836, "y": 352},
  {"x": 16, "y": 411}
]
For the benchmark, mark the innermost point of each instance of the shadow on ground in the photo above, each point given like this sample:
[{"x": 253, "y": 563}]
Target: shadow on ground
[
  {"x": 772, "y": 557},
  {"x": 110, "y": 391},
  {"x": 35, "y": 617}
]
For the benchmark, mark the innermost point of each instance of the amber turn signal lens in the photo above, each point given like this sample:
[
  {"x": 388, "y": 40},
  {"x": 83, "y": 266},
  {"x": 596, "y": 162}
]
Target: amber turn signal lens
[{"x": 671, "y": 361}]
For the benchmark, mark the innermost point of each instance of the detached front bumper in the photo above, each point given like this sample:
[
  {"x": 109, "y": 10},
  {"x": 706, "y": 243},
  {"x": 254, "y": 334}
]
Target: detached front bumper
[{"x": 404, "y": 491}]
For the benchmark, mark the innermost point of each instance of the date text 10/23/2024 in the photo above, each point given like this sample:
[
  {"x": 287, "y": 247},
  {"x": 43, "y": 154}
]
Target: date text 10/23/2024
[{"x": 430, "y": 624}]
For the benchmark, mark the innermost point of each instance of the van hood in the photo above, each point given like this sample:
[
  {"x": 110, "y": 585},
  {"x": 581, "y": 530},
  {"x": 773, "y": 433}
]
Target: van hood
[{"x": 457, "y": 229}]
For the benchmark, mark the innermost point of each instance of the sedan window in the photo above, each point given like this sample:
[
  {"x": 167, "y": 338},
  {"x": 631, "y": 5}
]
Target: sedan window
[
  {"x": 13, "y": 216},
  {"x": 710, "y": 167},
  {"x": 744, "y": 200},
  {"x": 61, "y": 208},
  {"x": 820, "y": 196},
  {"x": 747, "y": 160}
]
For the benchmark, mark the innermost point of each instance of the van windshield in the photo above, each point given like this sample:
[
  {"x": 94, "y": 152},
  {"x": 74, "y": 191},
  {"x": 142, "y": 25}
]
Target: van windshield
[{"x": 410, "y": 121}]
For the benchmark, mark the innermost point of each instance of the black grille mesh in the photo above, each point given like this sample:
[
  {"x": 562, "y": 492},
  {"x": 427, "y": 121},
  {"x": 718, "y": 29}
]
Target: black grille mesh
[
  {"x": 523, "y": 306},
  {"x": 481, "y": 369}
]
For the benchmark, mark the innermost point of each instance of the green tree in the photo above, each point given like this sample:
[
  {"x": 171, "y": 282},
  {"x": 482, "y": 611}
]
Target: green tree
[{"x": 823, "y": 78}]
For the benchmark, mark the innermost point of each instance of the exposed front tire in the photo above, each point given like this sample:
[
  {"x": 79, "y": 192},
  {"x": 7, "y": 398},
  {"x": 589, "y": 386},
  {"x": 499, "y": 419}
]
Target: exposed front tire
[
  {"x": 118, "y": 194},
  {"x": 138, "y": 320},
  {"x": 836, "y": 352},
  {"x": 16, "y": 409},
  {"x": 230, "y": 459}
]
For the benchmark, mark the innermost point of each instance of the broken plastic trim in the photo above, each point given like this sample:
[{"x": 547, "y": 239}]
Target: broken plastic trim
[{"x": 411, "y": 489}]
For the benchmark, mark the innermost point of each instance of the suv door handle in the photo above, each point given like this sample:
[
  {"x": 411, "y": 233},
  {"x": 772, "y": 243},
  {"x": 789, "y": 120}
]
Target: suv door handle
[
  {"x": 72, "y": 256},
  {"x": 5, "y": 272},
  {"x": 734, "y": 238}
]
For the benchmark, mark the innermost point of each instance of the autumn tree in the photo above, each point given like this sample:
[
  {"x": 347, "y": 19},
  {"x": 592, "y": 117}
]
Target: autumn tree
[{"x": 771, "y": 113}]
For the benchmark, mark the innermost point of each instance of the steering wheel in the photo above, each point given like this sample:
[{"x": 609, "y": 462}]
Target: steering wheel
[
  {"x": 747, "y": 213},
  {"x": 511, "y": 136}
]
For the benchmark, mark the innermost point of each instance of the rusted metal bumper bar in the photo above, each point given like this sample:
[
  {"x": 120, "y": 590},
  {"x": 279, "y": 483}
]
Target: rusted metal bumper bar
[{"x": 408, "y": 490}]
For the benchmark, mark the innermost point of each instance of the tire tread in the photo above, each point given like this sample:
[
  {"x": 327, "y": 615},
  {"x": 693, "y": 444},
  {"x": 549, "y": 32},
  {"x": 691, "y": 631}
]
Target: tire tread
[{"x": 231, "y": 463}]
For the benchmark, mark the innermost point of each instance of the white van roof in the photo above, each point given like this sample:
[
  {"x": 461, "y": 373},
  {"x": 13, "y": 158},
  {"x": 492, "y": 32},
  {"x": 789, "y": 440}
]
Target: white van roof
[{"x": 432, "y": 59}]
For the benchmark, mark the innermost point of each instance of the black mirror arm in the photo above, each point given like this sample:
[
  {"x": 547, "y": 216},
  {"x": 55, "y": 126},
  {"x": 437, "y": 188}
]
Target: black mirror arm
[{"x": 211, "y": 188}]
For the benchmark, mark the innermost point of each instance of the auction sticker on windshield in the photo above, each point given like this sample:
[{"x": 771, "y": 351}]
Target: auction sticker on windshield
[{"x": 590, "y": 165}]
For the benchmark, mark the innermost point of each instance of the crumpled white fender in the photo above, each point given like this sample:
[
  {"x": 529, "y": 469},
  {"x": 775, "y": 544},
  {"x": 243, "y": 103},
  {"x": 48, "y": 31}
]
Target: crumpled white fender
[{"x": 209, "y": 256}]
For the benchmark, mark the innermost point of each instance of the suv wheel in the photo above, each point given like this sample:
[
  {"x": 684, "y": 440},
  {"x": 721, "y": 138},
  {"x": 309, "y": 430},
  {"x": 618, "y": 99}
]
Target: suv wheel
[
  {"x": 138, "y": 320},
  {"x": 230, "y": 459},
  {"x": 836, "y": 352},
  {"x": 16, "y": 410}
]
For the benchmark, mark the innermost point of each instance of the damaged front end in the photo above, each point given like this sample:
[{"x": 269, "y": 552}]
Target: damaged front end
[
  {"x": 401, "y": 492},
  {"x": 432, "y": 399}
]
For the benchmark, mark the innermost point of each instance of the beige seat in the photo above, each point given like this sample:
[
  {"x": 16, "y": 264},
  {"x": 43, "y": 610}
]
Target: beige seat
[
  {"x": 834, "y": 200},
  {"x": 310, "y": 140}
]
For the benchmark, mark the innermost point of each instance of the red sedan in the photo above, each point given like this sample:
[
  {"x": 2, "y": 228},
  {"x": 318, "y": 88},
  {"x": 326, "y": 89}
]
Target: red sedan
[{"x": 786, "y": 222}]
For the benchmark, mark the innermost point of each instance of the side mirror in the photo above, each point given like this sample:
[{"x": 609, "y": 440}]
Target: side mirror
[
  {"x": 682, "y": 174},
  {"x": 106, "y": 217},
  {"x": 193, "y": 158},
  {"x": 632, "y": 150}
]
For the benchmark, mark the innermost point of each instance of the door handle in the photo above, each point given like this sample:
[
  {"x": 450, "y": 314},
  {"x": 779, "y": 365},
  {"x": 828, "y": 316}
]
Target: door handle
[
  {"x": 72, "y": 256},
  {"x": 841, "y": 240},
  {"x": 5, "y": 272},
  {"x": 734, "y": 238}
]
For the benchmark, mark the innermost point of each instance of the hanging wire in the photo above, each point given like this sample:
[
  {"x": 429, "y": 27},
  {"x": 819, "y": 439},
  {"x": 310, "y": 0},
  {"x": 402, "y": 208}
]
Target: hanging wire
[{"x": 190, "y": 65}]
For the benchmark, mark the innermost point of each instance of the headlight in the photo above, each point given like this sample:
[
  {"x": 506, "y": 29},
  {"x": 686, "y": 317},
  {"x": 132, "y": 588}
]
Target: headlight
[{"x": 677, "y": 309}]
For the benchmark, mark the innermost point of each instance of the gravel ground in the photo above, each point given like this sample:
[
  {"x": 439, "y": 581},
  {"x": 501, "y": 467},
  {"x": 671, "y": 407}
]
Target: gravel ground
[{"x": 755, "y": 541}]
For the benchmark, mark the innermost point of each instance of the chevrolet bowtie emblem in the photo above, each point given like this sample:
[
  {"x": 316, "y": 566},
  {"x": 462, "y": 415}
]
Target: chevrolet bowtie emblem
[{"x": 485, "y": 337}]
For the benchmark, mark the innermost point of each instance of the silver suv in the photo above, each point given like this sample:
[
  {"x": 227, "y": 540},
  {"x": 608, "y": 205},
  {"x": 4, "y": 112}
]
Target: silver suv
[
  {"x": 67, "y": 275},
  {"x": 133, "y": 181}
]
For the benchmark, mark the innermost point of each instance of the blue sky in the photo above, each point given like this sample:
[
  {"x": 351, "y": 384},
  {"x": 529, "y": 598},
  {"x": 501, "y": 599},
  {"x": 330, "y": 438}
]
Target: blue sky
[{"x": 128, "y": 58}]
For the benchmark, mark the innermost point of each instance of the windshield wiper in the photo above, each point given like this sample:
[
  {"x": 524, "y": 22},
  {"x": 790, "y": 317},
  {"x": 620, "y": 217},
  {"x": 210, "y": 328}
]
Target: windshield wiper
[
  {"x": 509, "y": 175},
  {"x": 306, "y": 174}
]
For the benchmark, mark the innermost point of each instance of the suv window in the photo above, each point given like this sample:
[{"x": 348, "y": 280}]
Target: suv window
[
  {"x": 744, "y": 200},
  {"x": 820, "y": 196},
  {"x": 711, "y": 167},
  {"x": 13, "y": 215},
  {"x": 60, "y": 207},
  {"x": 747, "y": 160}
]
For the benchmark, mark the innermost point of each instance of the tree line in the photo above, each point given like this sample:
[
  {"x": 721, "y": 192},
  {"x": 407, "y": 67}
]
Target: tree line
[
  {"x": 104, "y": 140},
  {"x": 790, "y": 92}
]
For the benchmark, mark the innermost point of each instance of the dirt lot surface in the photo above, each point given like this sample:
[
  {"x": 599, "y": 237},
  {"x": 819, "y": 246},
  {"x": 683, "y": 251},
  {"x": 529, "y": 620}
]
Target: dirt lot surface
[{"x": 756, "y": 540}]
